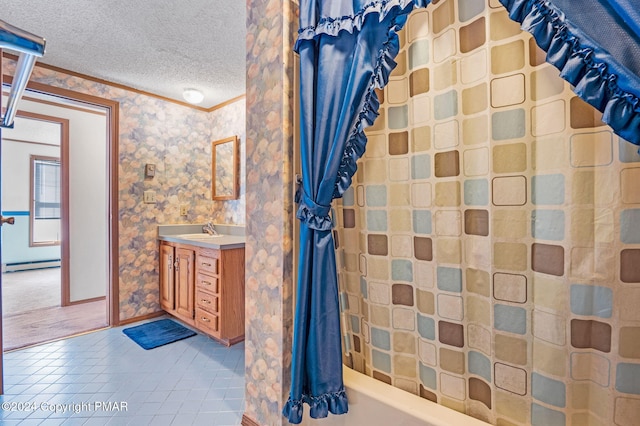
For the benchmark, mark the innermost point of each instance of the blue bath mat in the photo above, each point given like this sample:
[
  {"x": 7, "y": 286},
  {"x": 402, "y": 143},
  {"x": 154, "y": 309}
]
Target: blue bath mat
[{"x": 158, "y": 333}]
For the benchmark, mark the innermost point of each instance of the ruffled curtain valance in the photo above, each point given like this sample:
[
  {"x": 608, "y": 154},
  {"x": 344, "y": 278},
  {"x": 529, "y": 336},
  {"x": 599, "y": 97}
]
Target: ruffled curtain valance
[
  {"x": 596, "y": 47},
  {"x": 347, "y": 49}
]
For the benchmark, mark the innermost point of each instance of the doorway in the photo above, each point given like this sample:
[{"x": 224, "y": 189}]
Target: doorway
[
  {"x": 35, "y": 277},
  {"x": 84, "y": 272}
]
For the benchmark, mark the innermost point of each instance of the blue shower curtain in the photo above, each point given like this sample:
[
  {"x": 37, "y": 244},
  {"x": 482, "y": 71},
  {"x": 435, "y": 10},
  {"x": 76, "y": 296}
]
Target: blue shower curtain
[{"x": 347, "y": 49}]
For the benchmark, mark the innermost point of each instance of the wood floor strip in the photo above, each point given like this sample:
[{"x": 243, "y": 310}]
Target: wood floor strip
[
  {"x": 43, "y": 325},
  {"x": 32, "y": 313}
]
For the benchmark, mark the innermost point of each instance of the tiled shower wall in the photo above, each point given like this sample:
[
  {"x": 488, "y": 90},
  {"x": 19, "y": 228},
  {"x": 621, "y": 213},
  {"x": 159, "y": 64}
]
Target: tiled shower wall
[{"x": 489, "y": 248}]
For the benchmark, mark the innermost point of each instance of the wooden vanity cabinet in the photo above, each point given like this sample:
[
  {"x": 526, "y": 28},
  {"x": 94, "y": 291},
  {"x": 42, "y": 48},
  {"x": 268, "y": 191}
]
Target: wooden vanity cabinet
[
  {"x": 177, "y": 278},
  {"x": 184, "y": 276},
  {"x": 213, "y": 302},
  {"x": 208, "y": 291},
  {"x": 220, "y": 293},
  {"x": 167, "y": 253}
]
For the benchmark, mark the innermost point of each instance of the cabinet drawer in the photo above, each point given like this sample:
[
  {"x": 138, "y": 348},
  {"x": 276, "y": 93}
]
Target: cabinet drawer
[
  {"x": 207, "y": 283},
  {"x": 207, "y": 264},
  {"x": 207, "y": 321},
  {"x": 207, "y": 301}
]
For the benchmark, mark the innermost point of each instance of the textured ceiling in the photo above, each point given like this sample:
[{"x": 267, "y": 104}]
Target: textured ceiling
[{"x": 158, "y": 46}]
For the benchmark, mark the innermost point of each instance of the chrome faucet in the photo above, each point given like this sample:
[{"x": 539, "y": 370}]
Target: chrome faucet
[{"x": 209, "y": 229}]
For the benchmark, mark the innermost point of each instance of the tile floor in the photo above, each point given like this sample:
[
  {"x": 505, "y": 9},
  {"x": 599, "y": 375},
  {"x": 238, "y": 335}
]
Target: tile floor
[{"x": 195, "y": 381}]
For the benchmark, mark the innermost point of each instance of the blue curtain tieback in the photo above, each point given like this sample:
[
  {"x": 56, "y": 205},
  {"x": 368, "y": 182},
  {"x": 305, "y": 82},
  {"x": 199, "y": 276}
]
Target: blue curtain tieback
[
  {"x": 315, "y": 208},
  {"x": 314, "y": 215}
]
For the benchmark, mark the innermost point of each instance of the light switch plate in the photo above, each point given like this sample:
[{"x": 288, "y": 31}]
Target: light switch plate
[{"x": 149, "y": 197}]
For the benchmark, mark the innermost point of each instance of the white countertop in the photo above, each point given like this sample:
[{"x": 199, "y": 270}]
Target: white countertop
[{"x": 230, "y": 236}]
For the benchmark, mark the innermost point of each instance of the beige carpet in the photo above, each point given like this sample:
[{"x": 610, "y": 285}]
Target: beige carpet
[
  {"x": 32, "y": 312},
  {"x": 25, "y": 291}
]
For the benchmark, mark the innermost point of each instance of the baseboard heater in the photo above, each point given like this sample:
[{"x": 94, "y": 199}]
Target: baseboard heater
[{"x": 25, "y": 266}]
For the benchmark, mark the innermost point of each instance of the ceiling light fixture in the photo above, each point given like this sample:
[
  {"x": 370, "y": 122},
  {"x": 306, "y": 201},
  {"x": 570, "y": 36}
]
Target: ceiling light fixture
[{"x": 193, "y": 96}]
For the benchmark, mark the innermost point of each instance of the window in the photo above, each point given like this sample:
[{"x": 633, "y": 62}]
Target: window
[
  {"x": 45, "y": 200},
  {"x": 46, "y": 189}
]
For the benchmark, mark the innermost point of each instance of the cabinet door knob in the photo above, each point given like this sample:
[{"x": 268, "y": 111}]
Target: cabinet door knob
[
  {"x": 205, "y": 301},
  {"x": 205, "y": 319}
]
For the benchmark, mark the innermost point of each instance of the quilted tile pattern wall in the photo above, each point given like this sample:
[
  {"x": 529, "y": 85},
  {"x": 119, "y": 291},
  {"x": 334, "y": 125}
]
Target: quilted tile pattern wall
[
  {"x": 489, "y": 248},
  {"x": 271, "y": 25}
]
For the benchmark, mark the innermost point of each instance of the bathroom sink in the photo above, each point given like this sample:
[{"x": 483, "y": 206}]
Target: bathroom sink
[{"x": 199, "y": 236}]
